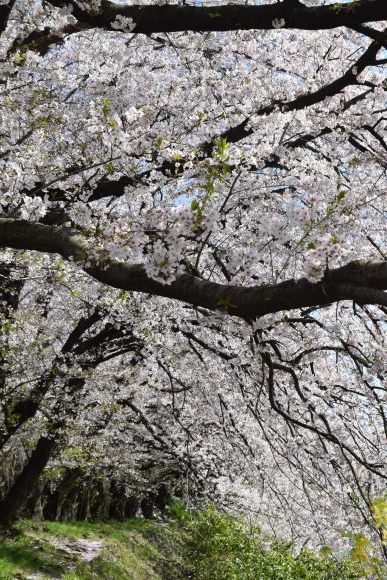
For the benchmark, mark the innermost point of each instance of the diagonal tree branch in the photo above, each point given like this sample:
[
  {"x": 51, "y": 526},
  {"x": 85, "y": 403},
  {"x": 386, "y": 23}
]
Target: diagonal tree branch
[
  {"x": 371, "y": 33},
  {"x": 243, "y": 129}
]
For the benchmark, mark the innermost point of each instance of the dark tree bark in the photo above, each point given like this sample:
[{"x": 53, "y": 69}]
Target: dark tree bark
[
  {"x": 9, "y": 300},
  {"x": 172, "y": 18},
  {"x": 162, "y": 498},
  {"x": 69, "y": 507},
  {"x": 117, "y": 502},
  {"x": 34, "y": 506},
  {"x": 100, "y": 504},
  {"x": 5, "y": 11},
  {"x": 25, "y": 482},
  {"x": 148, "y": 19},
  {"x": 86, "y": 490}
]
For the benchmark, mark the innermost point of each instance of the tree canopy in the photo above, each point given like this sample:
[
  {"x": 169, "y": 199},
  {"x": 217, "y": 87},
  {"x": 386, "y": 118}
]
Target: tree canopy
[{"x": 193, "y": 264}]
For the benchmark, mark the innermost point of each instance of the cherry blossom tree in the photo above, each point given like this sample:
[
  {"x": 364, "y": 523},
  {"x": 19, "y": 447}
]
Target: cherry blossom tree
[{"x": 213, "y": 178}]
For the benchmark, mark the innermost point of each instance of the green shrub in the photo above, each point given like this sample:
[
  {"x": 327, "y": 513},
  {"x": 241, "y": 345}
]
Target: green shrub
[{"x": 222, "y": 547}]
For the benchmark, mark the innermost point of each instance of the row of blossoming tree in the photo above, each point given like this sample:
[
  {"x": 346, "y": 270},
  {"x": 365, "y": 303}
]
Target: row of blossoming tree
[{"x": 193, "y": 263}]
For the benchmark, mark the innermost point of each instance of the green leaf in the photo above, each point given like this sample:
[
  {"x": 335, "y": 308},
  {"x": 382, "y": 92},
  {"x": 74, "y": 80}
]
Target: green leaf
[
  {"x": 113, "y": 124},
  {"x": 106, "y": 106},
  {"x": 341, "y": 195}
]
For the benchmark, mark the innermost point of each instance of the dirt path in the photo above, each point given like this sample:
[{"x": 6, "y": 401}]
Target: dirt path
[{"x": 83, "y": 550}]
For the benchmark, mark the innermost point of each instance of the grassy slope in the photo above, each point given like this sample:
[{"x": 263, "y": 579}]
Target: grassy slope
[
  {"x": 205, "y": 545},
  {"x": 133, "y": 550}
]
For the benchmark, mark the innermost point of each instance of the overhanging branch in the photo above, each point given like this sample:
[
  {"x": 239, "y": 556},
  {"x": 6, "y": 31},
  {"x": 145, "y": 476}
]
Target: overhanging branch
[
  {"x": 172, "y": 18},
  {"x": 148, "y": 19},
  {"x": 359, "y": 281}
]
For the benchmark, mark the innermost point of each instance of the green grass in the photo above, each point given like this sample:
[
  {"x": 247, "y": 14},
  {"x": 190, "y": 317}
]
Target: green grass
[
  {"x": 25, "y": 554},
  {"x": 205, "y": 545},
  {"x": 133, "y": 550}
]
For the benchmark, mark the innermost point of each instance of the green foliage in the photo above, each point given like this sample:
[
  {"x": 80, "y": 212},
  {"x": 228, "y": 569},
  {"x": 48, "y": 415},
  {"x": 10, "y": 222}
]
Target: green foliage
[
  {"x": 205, "y": 545},
  {"x": 177, "y": 512},
  {"x": 335, "y": 202},
  {"x": 224, "y": 305},
  {"x": 379, "y": 515},
  {"x": 216, "y": 173},
  {"x": 365, "y": 552},
  {"x": 363, "y": 557},
  {"x": 221, "y": 148},
  {"x": 113, "y": 123},
  {"x": 223, "y": 547},
  {"x": 106, "y": 106}
]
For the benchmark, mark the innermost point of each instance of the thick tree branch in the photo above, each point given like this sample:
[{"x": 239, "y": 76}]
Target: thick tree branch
[
  {"x": 371, "y": 33},
  {"x": 156, "y": 19},
  {"x": 359, "y": 281},
  {"x": 153, "y": 18}
]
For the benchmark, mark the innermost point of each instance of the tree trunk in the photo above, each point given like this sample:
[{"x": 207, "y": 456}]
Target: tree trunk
[
  {"x": 25, "y": 482},
  {"x": 117, "y": 502},
  {"x": 147, "y": 506},
  {"x": 69, "y": 506},
  {"x": 131, "y": 507},
  {"x": 101, "y": 500},
  {"x": 34, "y": 506},
  {"x": 162, "y": 498},
  {"x": 54, "y": 502}
]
